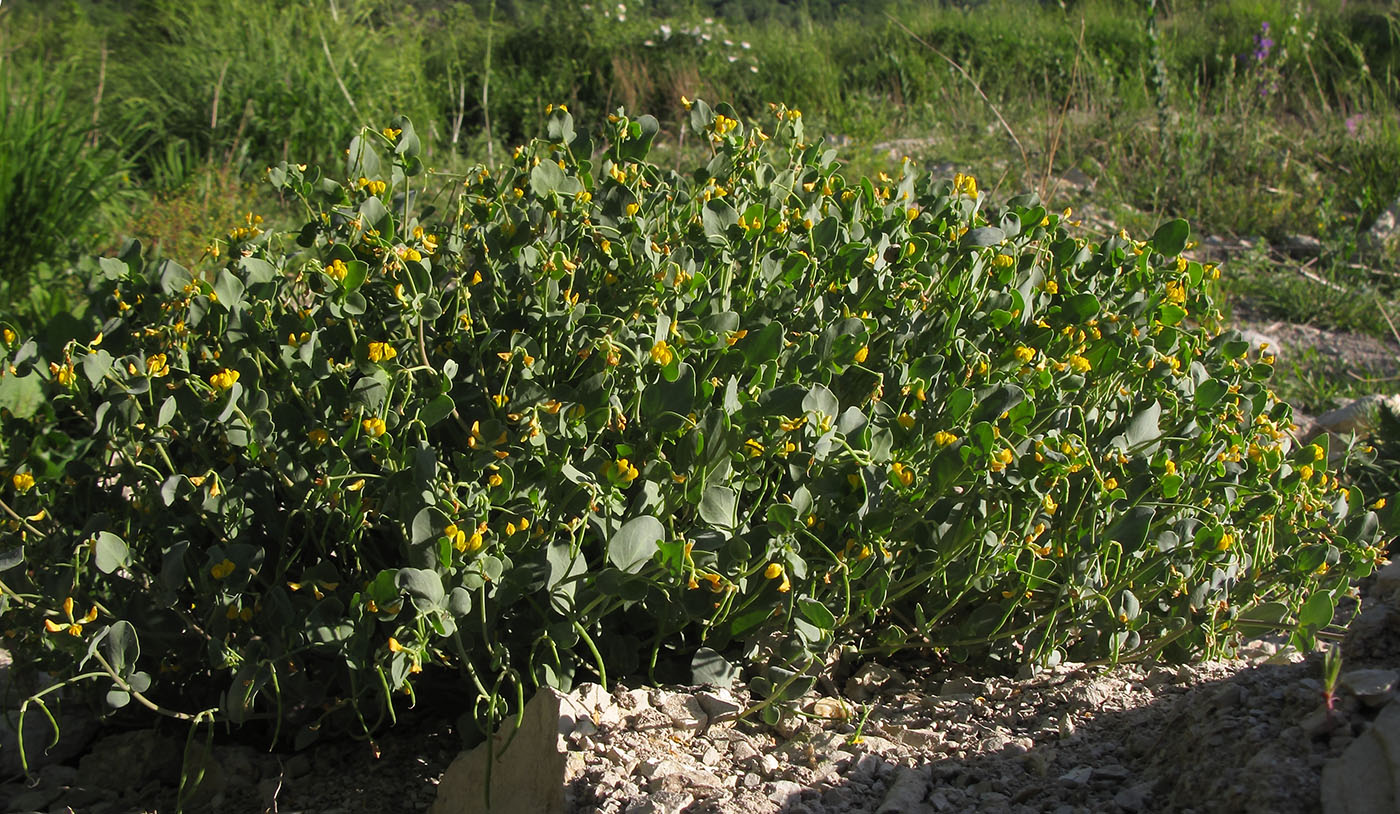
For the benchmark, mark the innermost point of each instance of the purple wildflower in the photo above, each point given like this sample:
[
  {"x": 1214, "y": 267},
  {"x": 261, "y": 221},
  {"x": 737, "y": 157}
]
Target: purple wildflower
[
  {"x": 1262, "y": 43},
  {"x": 1352, "y": 122}
]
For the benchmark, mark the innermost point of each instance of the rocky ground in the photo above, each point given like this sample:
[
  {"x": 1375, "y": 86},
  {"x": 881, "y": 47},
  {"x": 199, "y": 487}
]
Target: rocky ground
[{"x": 1251, "y": 734}]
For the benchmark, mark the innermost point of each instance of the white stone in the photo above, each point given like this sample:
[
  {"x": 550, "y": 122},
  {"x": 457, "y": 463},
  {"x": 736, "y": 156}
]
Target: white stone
[
  {"x": 1356, "y": 415},
  {"x": 528, "y": 777}
]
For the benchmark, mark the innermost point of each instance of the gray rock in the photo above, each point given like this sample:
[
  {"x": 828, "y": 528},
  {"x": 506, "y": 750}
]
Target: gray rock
[
  {"x": 1262, "y": 344},
  {"x": 869, "y": 680},
  {"x": 1078, "y": 776},
  {"x": 143, "y": 755},
  {"x": 685, "y": 712},
  {"x": 77, "y": 725},
  {"x": 906, "y": 793},
  {"x": 1386, "y": 228},
  {"x": 662, "y": 802},
  {"x": 719, "y": 705},
  {"x": 1387, "y": 587},
  {"x": 961, "y": 686},
  {"x": 1301, "y": 246},
  {"x": 783, "y": 791},
  {"x": 1134, "y": 798},
  {"x": 528, "y": 776},
  {"x": 1374, "y": 688},
  {"x": 1077, "y": 180},
  {"x": 1358, "y": 415},
  {"x": 1366, "y": 777}
]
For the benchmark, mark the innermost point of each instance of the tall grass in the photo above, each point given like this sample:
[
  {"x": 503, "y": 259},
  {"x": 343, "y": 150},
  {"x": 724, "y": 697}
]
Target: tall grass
[{"x": 56, "y": 175}]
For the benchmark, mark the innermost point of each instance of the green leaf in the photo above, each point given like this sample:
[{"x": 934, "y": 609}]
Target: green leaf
[
  {"x": 23, "y": 395},
  {"x": 1170, "y": 237},
  {"x": 982, "y": 237},
  {"x": 816, "y": 613},
  {"x": 1172, "y": 314},
  {"x": 96, "y": 366},
  {"x": 229, "y": 289},
  {"x": 1081, "y": 307},
  {"x": 436, "y": 410},
  {"x": 717, "y": 217},
  {"x": 719, "y": 507},
  {"x": 424, "y": 587},
  {"x": 708, "y": 667},
  {"x": 110, "y": 552},
  {"x": 1144, "y": 429},
  {"x": 634, "y": 544},
  {"x": 167, "y": 412},
  {"x": 1317, "y": 611}
]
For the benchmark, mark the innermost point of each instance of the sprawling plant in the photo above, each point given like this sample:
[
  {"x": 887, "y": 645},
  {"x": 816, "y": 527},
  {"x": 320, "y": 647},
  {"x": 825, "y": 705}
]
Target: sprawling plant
[{"x": 594, "y": 415}]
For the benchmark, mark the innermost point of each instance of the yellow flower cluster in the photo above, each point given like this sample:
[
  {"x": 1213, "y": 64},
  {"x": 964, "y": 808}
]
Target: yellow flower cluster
[
  {"x": 1079, "y": 364},
  {"x": 73, "y": 627},
  {"x": 1003, "y": 261},
  {"x": 337, "y": 270},
  {"x": 156, "y": 366},
  {"x": 224, "y": 379},
  {"x": 1024, "y": 354},
  {"x": 373, "y": 427},
  {"x": 23, "y": 481},
  {"x": 661, "y": 353},
  {"x": 1000, "y": 459},
  {"x": 623, "y": 470},
  {"x": 723, "y": 125},
  {"x": 372, "y": 187},
  {"x": 862, "y": 354},
  {"x": 943, "y": 438},
  {"x": 318, "y": 437},
  {"x": 381, "y": 351},
  {"x": 965, "y": 185},
  {"x": 221, "y": 569},
  {"x": 902, "y": 473},
  {"x": 63, "y": 374}
]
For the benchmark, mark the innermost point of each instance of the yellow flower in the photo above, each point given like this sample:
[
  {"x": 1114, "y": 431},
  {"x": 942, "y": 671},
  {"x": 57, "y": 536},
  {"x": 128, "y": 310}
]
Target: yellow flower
[
  {"x": 1003, "y": 261},
  {"x": 1175, "y": 292},
  {"x": 905, "y": 420},
  {"x": 1109, "y": 484},
  {"x": 753, "y": 447},
  {"x": 224, "y": 379},
  {"x": 1052, "y": 287},
  {"x": 380, "y": 351},
  {"x": 394, "y": 646},
  {"x": 862, "y": 354},
  {"x": 318, "y": 437},
  {"x": 1080, "y": 364},
  {"x": 1170, "y": 467},
  {"x": 1305, "y": 472},
  {"x": 735, "y": 336},
  {"x": 1049, "y": 504},
  {"x": 156, "y": 366},
  {"x": 1316, "y": 452},
  {"x": 661, "y": 353},
  {"x": 456, "y": 536},
  {"x": 64, "y": 374},
  {"x": 221, "y": 569},
  {"x": 9, "y": 336},
  {"x": 905, "y": 476},
  {"x": 337, "y": 270},
  {"x": 495, "y": 480},
  {"x": 23, "y": 481},
  {"x": 965, "y": 185},
  {"x": 373, "y": 427},
  {"x": 773, "y": 571},
  {"x": 1024, "y": 354},
  {"x": 624, "y": 471}
]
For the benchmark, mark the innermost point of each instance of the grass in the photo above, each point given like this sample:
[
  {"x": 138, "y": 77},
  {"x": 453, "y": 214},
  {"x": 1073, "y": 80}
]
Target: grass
[{"x": 1184, "y": 115}]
